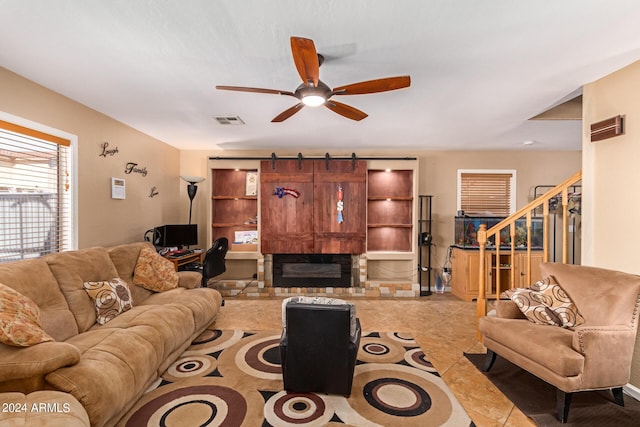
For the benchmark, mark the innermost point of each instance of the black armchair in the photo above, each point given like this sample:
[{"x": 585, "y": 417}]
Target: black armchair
[
  {"x": 319, "y": 347},
  {"x": 214, "y": 264}
]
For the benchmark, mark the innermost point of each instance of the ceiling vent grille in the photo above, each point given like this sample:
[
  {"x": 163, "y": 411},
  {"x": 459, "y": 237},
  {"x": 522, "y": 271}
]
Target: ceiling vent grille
[{"x": 229, "y": 120}]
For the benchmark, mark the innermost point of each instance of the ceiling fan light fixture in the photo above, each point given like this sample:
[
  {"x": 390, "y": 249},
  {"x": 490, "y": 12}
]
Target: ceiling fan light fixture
[
  {"x": 312, "y": 92},
  {"x": 313, "y": 100}
]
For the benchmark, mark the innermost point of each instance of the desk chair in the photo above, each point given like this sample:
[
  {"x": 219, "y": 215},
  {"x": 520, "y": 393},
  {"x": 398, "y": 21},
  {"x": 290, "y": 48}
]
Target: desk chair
[{"x": 214, "y": 264}]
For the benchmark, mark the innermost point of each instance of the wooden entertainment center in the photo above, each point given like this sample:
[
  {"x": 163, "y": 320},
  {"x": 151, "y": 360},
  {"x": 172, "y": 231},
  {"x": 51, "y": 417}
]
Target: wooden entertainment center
[{"x": 365, "y": 208}]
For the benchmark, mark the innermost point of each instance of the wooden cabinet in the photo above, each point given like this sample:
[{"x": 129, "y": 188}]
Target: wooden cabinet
[
  {"x": 286, "y": 219},
  {"x": 347, "y": 235},
  {"x": 465, "y": 265},
  {"x": 521, "y": 269},
  {"x": 305, "y": 221},
  {"x": 390, "y": 207},
  {"x": 232, "y": 209}
]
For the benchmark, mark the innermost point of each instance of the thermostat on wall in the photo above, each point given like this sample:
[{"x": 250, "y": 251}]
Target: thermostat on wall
[{"x": 117, "y": 188}]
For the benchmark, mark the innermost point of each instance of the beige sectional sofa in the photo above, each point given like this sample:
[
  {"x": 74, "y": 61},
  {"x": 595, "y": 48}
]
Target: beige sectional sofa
[{"x": 105, "y": 368}]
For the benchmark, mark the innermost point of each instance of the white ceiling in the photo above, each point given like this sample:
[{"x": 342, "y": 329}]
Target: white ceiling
[{"x": 479, "y": 68}]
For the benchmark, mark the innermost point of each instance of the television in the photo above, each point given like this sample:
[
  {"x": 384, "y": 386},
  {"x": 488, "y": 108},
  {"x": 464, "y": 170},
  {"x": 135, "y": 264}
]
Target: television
[{"x": 176, "y": 235}]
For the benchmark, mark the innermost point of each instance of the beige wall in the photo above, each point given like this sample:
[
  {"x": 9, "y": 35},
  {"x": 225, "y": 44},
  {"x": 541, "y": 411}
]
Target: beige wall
[
  {"x": 437, "y": 176},
  {"x": 102, "y": 220},
  {"x": 611, "y": 176}
]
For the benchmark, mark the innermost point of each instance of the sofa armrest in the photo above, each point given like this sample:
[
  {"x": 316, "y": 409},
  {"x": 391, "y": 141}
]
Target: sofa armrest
[
  {"x": 189, "y": 279},
  {"x": 605, "y": 346},
  {"x": 40, "y": 359},
  {"x": 42, "y": 409},
  {"x": 603, "y": 339}
]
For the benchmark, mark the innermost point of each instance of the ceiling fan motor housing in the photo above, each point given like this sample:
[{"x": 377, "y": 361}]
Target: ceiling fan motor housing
[{"x": 311, "y": 95}]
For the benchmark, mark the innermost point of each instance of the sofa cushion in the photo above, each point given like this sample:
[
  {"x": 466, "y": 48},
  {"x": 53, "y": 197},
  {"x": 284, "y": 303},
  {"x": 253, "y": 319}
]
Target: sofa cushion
[
  {"x": 203, "y": 303},
  {"x": 533, "y": 341},
  {"x": 508, "y": 309},
  {"x": 124, "y": 258},
  {"x": 19, "y": 319},
  {"x": 154, "y": 272},
  {"x": 34, "y": 279},
  {"x": 546, "y": 303},
  {"x": 110, "y": 297},
  {"x": 115, "y": 368},
  {"x": 173, "y": 323},
  {"x": 71, "y": 269}
]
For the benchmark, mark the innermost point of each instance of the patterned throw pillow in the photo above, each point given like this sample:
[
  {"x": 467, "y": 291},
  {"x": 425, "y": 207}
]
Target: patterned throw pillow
[
  {"x": 154, "y": 272},
  {"x": 110, "y": 298},
  {"x": 546, "y": 303},
  {"x": 19, "y": 319}
]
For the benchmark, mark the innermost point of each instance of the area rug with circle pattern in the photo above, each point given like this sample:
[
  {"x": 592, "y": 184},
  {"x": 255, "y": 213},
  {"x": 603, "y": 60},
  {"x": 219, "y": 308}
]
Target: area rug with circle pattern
[{"x": 233, "y": 378}]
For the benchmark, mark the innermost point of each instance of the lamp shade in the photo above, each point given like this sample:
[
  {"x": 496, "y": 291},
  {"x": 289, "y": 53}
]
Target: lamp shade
[{"x": 192, "y": 179}]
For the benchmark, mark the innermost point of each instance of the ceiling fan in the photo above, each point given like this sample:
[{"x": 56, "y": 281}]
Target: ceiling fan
[{"x": 313, "y": 92}]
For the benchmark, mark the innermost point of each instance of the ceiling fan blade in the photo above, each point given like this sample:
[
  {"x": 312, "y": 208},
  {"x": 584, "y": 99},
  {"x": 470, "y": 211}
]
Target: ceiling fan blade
[
  {"x": 256, "y": 90},
  {"x": 306, "y": 59},
  {"x": 287, "y": 113},
  {"x": 345, "y": 110},
  {"x": 373, "y": 86}
]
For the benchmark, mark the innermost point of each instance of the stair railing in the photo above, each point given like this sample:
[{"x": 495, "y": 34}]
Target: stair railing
[{"x": 484, "y": 235}]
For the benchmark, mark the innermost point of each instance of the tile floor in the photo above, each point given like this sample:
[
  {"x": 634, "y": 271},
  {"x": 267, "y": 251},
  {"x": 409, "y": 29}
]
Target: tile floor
[{"x": 443, "y": 325}]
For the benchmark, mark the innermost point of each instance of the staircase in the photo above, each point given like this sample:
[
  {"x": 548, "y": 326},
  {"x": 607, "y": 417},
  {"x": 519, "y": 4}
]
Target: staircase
[{"x": 509, "y": 223}]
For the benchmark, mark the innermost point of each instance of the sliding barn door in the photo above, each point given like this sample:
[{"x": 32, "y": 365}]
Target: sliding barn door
[
  {"x": 286, "y": 207},
  {"x": 339, "y": 230}
]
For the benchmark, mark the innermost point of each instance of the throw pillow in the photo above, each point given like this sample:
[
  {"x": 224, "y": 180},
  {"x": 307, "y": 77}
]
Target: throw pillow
[
  {"x": 545, "y": 302},
  {"x": 154, "y": 272},
  {"x": 110, "y": 298},
  {"x": 19, "y": 319}
]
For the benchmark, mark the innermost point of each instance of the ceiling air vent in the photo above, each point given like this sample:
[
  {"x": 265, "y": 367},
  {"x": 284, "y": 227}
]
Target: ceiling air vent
[{"x": 229, "y": 120}]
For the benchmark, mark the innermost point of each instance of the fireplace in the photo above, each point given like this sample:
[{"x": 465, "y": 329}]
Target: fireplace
[{"x": 312, "y": 270}]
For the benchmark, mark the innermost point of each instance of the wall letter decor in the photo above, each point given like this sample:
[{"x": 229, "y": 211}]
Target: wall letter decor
[
  {"x": 106, "y": 151},
  {"x": 133, "y": 167}
]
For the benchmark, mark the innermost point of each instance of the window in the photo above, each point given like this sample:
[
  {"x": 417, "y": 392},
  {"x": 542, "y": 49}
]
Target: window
[
  {"x": 486, "y": 192},
  {"x": 35, "y": 193}
]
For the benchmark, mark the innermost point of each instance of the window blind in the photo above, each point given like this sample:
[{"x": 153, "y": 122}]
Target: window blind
[
  {"x": 486, "y": 193},
  {"x": 35, "y": 198}
]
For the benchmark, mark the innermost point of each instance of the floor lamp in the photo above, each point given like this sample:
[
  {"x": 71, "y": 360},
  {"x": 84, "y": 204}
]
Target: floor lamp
[{"x": 192, "y": 189}]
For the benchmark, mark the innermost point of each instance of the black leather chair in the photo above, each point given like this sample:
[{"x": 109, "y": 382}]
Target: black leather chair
[
  {"x": 319, "y": 347},
  {"x": 213, "y": 264}
]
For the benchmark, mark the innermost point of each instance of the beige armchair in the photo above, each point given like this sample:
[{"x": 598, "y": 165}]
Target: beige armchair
[{"x": 595, "y": 355}]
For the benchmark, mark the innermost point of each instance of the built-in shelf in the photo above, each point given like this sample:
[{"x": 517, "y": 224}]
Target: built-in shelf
[
  {"x": 231, "y": 207},
  {"x": 390, "y": 207}
]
